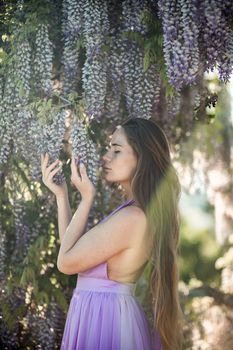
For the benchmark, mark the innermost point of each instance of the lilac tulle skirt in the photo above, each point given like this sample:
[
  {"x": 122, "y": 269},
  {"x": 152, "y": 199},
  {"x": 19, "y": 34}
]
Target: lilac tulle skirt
[{"x": 105, "y": 315}]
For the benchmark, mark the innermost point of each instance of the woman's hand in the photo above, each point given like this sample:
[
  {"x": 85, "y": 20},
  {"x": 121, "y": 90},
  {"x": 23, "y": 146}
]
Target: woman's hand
[
  {"x": 47, "y": 176},
  {"x": 81, "y": 180}
]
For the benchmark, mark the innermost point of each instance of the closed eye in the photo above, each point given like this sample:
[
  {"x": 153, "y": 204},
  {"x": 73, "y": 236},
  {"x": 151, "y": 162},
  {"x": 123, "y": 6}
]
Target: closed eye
[{"x": 116, "y": 151}]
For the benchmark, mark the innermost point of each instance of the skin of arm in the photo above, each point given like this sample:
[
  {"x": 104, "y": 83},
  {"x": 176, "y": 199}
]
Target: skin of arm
[
  {"x": 64, "y": 214},
  {"x": 75, "y": 229},
  {"x": 101, "y": 242}
]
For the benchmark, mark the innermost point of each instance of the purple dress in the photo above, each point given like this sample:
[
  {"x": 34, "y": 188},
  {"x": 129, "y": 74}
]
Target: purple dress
[{"x": 105, "y": 315}]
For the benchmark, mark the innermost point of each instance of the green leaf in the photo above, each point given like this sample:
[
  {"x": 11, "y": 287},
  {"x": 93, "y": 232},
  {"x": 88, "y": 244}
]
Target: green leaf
[
  {"x": 30, "y": 274},
  {"x": 8, "y": 316},
  {"x": 35, "y": 287},
  {"x": 42, "y": 298},
  {"x": 21, "y": 91},
  {"x": 80, "y": 43},
  {"x": 20, "y": 311},
  {"x": 146, "y": 60},
  {"x": 23, "y": 280}
]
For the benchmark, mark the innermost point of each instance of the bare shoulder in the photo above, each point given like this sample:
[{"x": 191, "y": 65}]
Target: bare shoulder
[
  {"x": 131, "y": 216},
  {"x": 135, "y": 212}
]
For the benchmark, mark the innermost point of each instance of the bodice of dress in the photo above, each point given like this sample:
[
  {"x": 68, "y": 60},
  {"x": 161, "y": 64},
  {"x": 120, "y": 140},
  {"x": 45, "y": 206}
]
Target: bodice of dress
[{"x": 99, "y": 272}]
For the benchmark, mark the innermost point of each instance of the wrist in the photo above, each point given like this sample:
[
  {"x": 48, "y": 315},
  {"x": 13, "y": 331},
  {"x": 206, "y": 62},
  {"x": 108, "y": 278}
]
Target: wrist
[
  {"x": 88, "y": 199},
  {"x": 62, "y": 196}
]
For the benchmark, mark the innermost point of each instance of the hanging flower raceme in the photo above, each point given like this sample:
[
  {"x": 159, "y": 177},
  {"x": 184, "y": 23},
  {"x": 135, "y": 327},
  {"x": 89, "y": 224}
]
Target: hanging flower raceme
[
  {"x": 72, "y": 32},
  {"x": 189, "y": 20},
  {"x": 43, "y": 61},
  {"x": 23, "y": 73},
  {"x": 180, "y": 34},
  {"x": 24, "y": 235},
  {"x": 84, "y": 148},
  {"x": 2, "y": 252},
  {"x": 114, "y": 75},
  {"x": 96, "y": 27},
  {"x": 218, "y": 37},
  {"x": 23, "y": 68},
  {"x": 173, "y": 106},
  {"x": 47, "y": 138},
  {"x": 1, "y": 86},
  {"x": 15, "y": 94},
  {"x": 141, "y": 87},
  {"x": 196, "y": 33}
]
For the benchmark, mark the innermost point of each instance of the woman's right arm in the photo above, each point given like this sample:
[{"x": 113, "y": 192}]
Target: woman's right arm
[
  {"x": 60, "y": 191},
  {"x": 64, "y": 213}
]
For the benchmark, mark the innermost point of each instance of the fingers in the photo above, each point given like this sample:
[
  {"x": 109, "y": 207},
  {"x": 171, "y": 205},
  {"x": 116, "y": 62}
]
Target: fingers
[
  {"x": 73, "y": 165},
  {"x": 83, "y": 172},
  {"x": 82, "y": 169},
  {"x": 52, "y": 173},
  {"x": 78, "y": 173},
  {"x": 46, "y": 170},
  {"x": 49, "y": 168},
  {"x": 44, "y": 161}
]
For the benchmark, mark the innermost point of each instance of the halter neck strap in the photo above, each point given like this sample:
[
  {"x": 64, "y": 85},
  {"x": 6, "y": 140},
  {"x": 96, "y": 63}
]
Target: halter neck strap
[{"x": 124, "y": 204}]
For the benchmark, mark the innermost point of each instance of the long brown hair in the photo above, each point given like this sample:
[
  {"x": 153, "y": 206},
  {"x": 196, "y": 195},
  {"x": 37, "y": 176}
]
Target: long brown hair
[{"x": 156, "y": 188}]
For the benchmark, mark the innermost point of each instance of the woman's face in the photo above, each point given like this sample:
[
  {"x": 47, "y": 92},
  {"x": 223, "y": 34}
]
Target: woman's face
[{"x": 120, "y": 159}]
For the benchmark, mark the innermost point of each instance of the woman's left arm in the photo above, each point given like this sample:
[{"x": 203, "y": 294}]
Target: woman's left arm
[
  {"x": 76, "y": 228},
  {"x": 78, "y": 222}
]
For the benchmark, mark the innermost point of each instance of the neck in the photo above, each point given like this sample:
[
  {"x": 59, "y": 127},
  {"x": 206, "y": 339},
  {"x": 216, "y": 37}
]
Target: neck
[{"x": 128, "y": 193}]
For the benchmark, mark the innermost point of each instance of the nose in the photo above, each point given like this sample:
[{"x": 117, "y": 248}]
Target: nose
[{"x": 105, "y": 158}]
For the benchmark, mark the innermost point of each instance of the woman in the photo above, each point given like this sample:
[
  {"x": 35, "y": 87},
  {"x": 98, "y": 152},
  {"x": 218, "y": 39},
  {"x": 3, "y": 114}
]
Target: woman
[{"x": 109, "y": 259}]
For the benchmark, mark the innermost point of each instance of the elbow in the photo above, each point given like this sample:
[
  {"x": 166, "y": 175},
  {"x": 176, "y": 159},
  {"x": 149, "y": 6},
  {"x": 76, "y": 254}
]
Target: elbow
[
  {"x": 60, "y": 266},
  {"x": 64, "y": 269},
  {"x": 59, "y": 269}
]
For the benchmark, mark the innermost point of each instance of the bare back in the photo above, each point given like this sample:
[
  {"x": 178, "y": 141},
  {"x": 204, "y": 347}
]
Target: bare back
[{"x": 128, "y": 265}]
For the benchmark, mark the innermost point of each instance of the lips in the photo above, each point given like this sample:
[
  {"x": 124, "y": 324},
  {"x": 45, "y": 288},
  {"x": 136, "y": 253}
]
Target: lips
[{"x": 105, "y": 168}]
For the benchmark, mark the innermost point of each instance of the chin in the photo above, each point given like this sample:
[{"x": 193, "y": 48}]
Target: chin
[{"x": 105, "y": 177}]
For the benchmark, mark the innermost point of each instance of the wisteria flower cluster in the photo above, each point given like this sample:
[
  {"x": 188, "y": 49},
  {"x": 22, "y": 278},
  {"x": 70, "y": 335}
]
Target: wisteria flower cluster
[
  {"x": 48, "y": 138},
  {"x": 42, "y": 63},
  {"x": 72, "y": 27},
  {"x": 196, "y": 34},
  {"x": 14, "y": 96},
  {"x": 84, "y": 148},
  {"x": 94, "y": 78}
]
